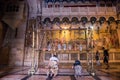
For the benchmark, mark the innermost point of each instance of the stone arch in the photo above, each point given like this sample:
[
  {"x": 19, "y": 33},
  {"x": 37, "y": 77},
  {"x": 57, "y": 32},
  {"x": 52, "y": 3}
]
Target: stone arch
[
  {"x": 93, "y": 20},
  {"x": 65, "y": 19},
  {"x": 56, "y": 19},
  {"x": 111, "y": 19},
  {"x": 103, "y": 24},
  {"x": 47, "y": 20},
  {"x": 112, "y": 23},
  {"x": 102, "y": 20},
  {"x": 84, "y": 20},
  {"x": 74, "y": 22},
  {"x": 56, "y": 3},
  {"x": 74, "y": 19},
  {"x": 56, "y": 22}
]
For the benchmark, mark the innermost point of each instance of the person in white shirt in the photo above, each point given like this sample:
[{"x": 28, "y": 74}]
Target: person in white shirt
[
  {"x": 54, "y": 58},
  {"x": 77, "y": 69},
  {"x": 53, "y": 65}
]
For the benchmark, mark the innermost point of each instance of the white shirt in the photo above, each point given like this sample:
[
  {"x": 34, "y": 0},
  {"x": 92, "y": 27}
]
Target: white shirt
[{"x": 54, "y": 59}]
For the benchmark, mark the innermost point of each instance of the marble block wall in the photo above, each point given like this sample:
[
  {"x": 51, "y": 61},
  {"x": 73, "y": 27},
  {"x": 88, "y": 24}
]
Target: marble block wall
[{"x": 16, "y": 57}]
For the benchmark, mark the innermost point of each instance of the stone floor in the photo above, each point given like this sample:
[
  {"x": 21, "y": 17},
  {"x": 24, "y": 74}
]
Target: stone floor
[{"x": 21, "y": 73}]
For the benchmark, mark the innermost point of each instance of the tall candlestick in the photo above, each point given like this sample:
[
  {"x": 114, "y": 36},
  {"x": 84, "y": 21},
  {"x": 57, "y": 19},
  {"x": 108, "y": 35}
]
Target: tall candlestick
[
  {"x": 32, "y": 70},
  {"x": 37, "y": 39},
  {"x": 33, "y": 35}
]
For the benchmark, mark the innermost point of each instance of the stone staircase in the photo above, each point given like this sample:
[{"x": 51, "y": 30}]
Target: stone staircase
[
  {"x": 62, "y": 72},
  {"x": 64, "y": 69}
]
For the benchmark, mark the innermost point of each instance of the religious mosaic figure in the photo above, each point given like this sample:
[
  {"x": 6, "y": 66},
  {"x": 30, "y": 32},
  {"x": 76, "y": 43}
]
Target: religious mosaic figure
[
  {"x": 69, "y": 46},
  {"x": 64, "y": 46},
  {"x": 59, "y": 46},
  {"x": 80, "y": 47},
  {"x": 49, "y": 46},
  {"x": 114, "y": 39}
]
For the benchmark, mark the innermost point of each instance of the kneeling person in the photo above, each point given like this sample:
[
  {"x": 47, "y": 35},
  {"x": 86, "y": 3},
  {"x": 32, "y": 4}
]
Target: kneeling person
[
  {"x": 77, "y": 69},
  {"x": 53, "y": 65}
]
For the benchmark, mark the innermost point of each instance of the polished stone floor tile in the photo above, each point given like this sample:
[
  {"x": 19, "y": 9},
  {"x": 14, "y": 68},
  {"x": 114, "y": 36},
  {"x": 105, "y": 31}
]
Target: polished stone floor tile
[
  {"x": 13, "y": 77},
  {"x": 19, "y": 73},
  {"x": 61, "y": 78},
  {"x": 44, "y": 78}
]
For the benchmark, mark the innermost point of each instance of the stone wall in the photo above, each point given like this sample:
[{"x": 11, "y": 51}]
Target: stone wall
[
  {"x": 4, "y": 50},
  {"x": 17, "y": 46},
  {"x": 1, "y": 33},
  {"x": 17, "y": 22}
]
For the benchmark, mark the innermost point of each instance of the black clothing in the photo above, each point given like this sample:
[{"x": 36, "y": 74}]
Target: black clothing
[
  {"x": 106, "y": 53},
  {"x": 106, "y": 56},
  {"x": 105, "y": 59},
  {"x": 77, "y": 62},
  {"x": 97, "y": 56}
]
